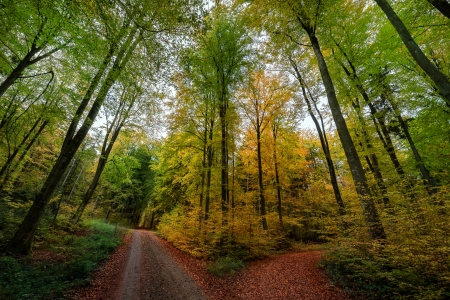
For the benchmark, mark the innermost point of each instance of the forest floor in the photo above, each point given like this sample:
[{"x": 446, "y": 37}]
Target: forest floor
[{"x": 148, "y": 267}]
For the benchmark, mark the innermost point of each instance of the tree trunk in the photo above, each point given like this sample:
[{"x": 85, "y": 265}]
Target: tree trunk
[
  {"x": 371, "y": 216},
  {"x": 429, "y": 182},
  {"x": 442, "y": 5},
  {"x": 277, "y": 176},
  {"x": 439, "y": 79},
  {"x": 379, "y": 123},
  {"x": 22, "y": 240},
  {"x": 224, "y": 160},
  {"x": 210, "y": 157},
  {"x": 262, "y": 199},
  {"x": 372, "y": 159},
  {"x": 323, "y": 142}
]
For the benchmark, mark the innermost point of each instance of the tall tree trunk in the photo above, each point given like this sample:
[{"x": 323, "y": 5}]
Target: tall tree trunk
[
  {"x": 379, "y": 123},
  {"x": 323, "y": 142},
  {"x": 277, "y": 176},
  {"x": 22, "y": 240},
  {"x": 224, "y": 159},
  {"x": 442, "y": 5},
  {"x": 439, "y": 79},
  {"x": 210, "y": 157},
  {"x": 371, "y": 216},
  {"x": 262, "y": 199},
  {"x": 372, "y": 159},
  {"x": 429, "y": 182}
]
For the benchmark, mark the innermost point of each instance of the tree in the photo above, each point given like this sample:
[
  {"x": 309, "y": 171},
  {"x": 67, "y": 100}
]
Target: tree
[
  {"x": 131, "y": 26},
  {"x": 261, "y": 101},
  {"x": 225, "y": 53}
]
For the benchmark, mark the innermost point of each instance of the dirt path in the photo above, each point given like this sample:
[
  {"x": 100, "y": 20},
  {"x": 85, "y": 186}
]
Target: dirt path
[
  {"x": 151, "y": 273},
  {"x": 148, "y": 267}
]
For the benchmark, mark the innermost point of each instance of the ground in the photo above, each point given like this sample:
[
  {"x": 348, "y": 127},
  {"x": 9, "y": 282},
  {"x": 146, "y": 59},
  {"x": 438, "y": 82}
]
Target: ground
[{"x": 148, "y": 267}]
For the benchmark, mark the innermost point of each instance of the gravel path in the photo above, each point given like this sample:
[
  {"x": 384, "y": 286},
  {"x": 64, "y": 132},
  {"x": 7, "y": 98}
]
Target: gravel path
[
  {"x": 148, "y": 267},
  {"x": 151, "y": 273}
]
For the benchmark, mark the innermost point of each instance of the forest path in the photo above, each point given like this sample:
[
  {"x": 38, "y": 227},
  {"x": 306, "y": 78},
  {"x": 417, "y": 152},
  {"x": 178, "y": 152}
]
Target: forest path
[
  {"x": 151, "y": 273},
  {"x": 148, "y": 267}
]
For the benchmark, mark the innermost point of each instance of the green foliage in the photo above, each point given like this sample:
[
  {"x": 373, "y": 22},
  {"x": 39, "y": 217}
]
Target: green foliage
[
  {"x": 226, "y": 266},
  {"x": 27, "y": 278}
]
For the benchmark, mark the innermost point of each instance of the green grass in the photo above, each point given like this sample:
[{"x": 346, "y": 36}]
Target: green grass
[{"x": 23, "y": 278}]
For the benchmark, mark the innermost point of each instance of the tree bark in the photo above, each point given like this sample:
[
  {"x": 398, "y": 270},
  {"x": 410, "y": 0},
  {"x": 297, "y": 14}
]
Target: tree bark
[
  {"x": 210, "y": 157},
  {"x": 277, "y": 176},
  {"x": 224, "y": 158},
  {"x": 439, "y": 79},
  {"x": 262, "y": 199},
  {"x": 442, "y": 5}
]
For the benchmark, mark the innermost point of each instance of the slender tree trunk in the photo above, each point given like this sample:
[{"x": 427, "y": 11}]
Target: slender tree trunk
[
  {"x": 203, "y": 177},
  {"x": 210, "y": 157},
  {"x": 262, "y": 199},
  {"x": 442, "y": 5},
  {"x": 277, "y": 176},
  {"x": 371, "y": 216},
  {"x": 22, "y": 240},
  {"x": 323, "y": 142},
  {"x": 379, "y": 123},
  {"x": 88, "y": 195},
  {"x": 439, "y": 79},
  {"x": 372, "y": 159},
  {"x": 429, "y": 182},
  {"x": 27, "y": 60},
  {"x": 224, "y": 160}
]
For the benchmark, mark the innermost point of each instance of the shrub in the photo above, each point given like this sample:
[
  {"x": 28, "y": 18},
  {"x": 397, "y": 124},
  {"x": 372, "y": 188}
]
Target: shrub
[{"x": 226, "y": 266}]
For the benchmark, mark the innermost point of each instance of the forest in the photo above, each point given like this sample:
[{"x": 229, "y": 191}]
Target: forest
[{"x": 234, "y": 129}]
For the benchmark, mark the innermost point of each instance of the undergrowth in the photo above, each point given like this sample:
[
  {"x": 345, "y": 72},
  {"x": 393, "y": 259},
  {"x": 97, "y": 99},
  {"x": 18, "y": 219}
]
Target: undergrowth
[
  {"x": 226, "y": 266},
  {"x": 413, "y": 263},
  {"x": 25, "y": 278}
]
